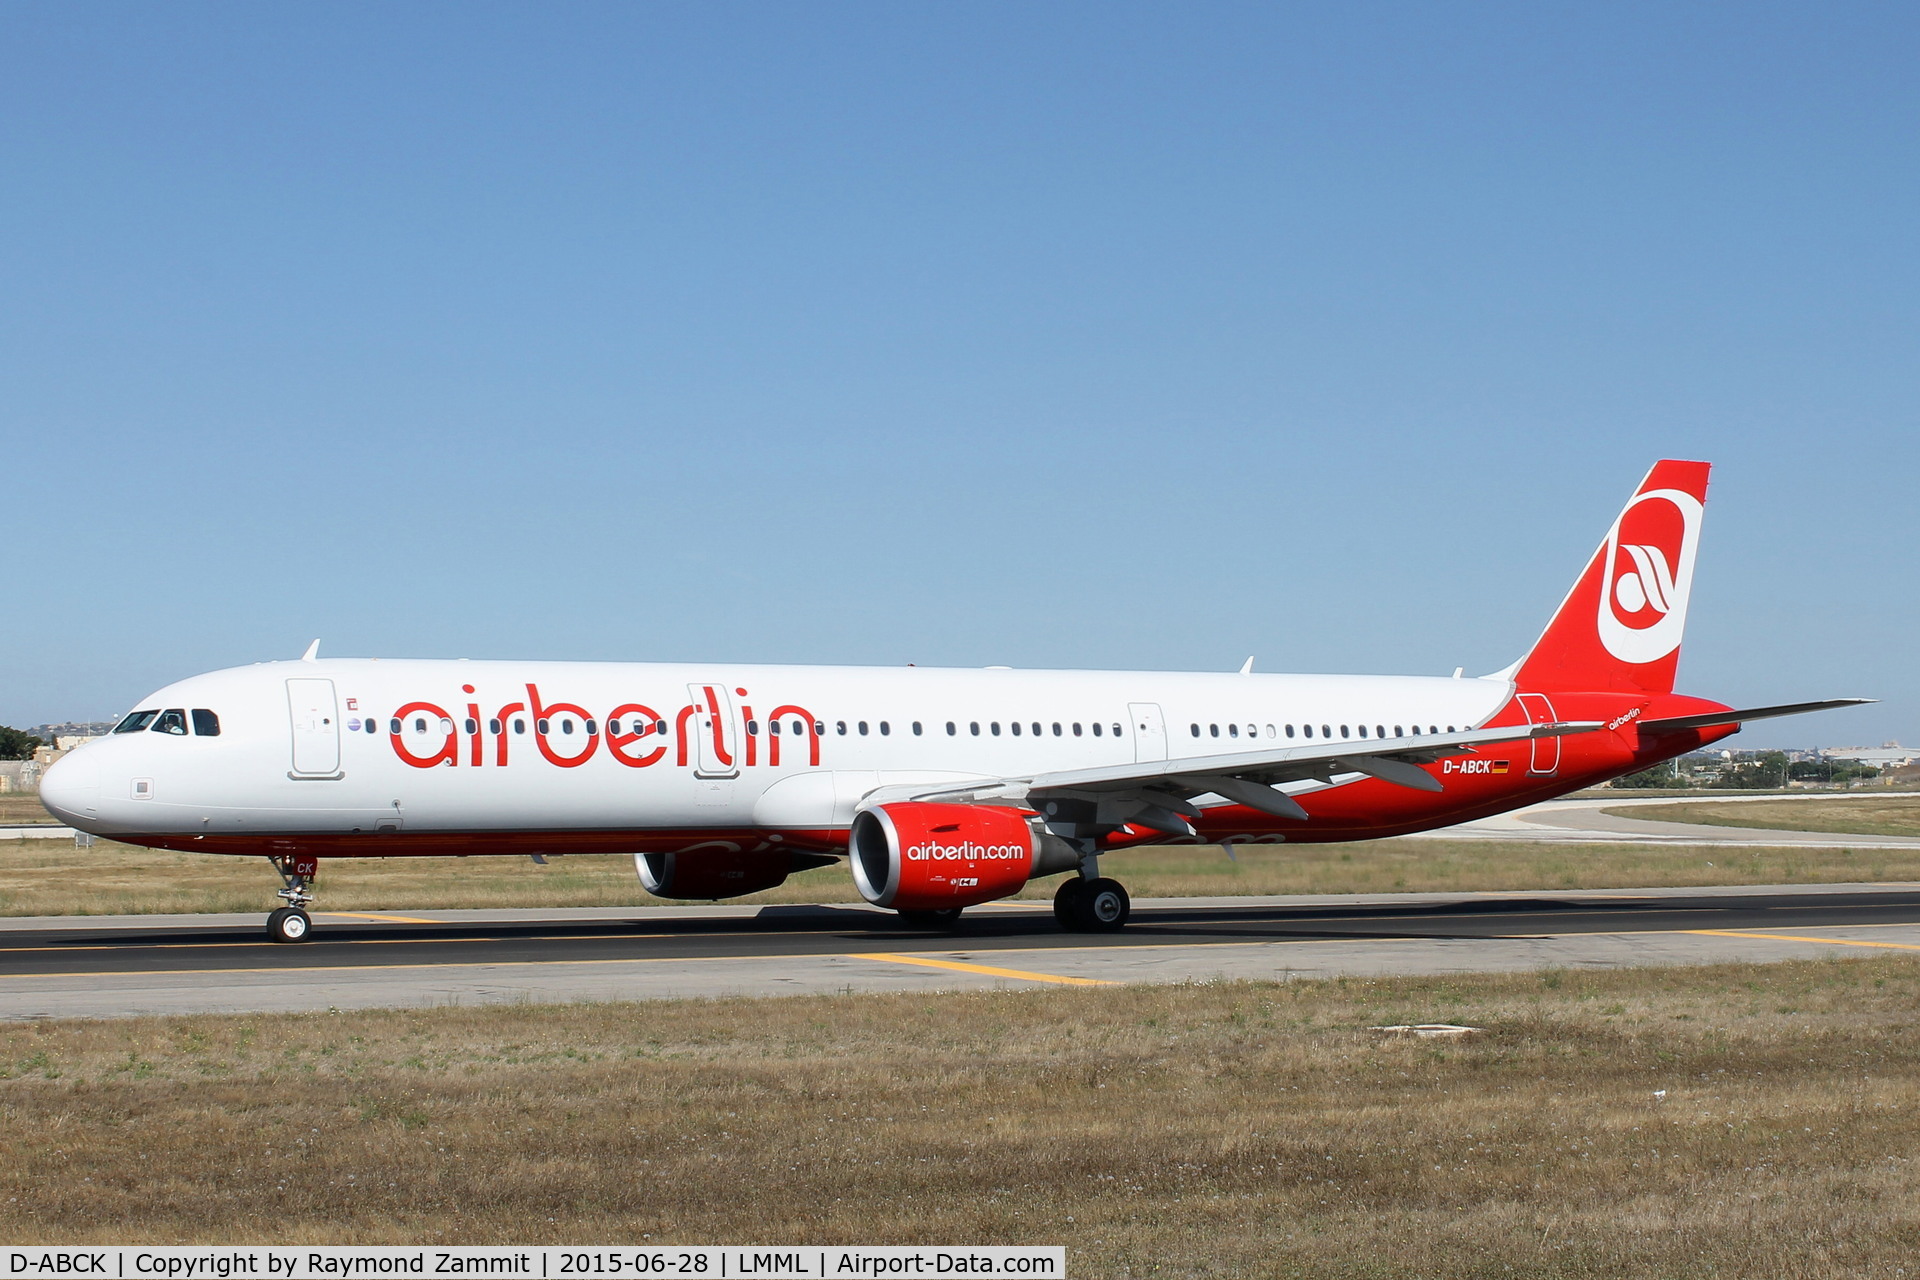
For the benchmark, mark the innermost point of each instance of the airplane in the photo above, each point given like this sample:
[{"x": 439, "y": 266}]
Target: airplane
[{"x": 942, "y": 788}]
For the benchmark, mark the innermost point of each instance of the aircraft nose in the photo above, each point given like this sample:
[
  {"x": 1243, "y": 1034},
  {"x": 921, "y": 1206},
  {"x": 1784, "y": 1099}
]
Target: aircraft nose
[{"x": 70, "y": 788}]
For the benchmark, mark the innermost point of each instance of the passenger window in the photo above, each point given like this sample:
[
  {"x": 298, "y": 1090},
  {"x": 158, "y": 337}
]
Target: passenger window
[
  {"x": 566, "y": 724},
  {"x": 994, "y": 728},
  {"x": 420, "y": 725},
  {"x": 753, "y": 728},
  {"x": 1307, "y": 729},
  {"x": 1253, "y": 731},
  {"x": 172, "y": 721},
  {"x": 1289, "y": 731},
  {"x": 819, "y": 729},
  {"x": 1076, "y": 728},
  {"x": 974, "y": 725},
  {"x": 1096, "y": 729},
  {"x": 1015, "y": 726},
  {"x": 519, "y": 726},
  {"x": 1036, "y": 728},
  {"x": 863, "y": 728},
  {"x": 393, "y": 726},
  {"x": 885, "y": 728},
  {"x": 1363, "y": 730},
  {"x": 952, "y": 728},
  {"x": 371, "y": 726},
  {"x": 493, "y": 726},
  {"x": 590, "y": 729},
  {"x": 1343, "y": 732},
  {"x": 840, "y": 727},
  {"x": 1397, "y": 732},
  {"x": 542, "y": 726},
  {"x": 472, "y": 725},
  {"x": 1056, "y": 728},
  {"x": 446, "y": 725},
  {"x": 1271, "y": 732},
  {"x": 1233, "y": 731},
  {"x": 1379, "y": 731},
  {"x": 1214, "y": 729},
  {"x": 916, "y": 728},
  {"x": 135, "y": 722},
  {"x": 205, "y": 723}
]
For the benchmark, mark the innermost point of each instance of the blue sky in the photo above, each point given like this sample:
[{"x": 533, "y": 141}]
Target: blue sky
[{"x": 1050, "y": 335}]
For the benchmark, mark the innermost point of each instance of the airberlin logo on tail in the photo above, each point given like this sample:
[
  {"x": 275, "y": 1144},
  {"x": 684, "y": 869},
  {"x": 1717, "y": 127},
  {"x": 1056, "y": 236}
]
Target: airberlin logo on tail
[{"x": 1649, "y": 573}]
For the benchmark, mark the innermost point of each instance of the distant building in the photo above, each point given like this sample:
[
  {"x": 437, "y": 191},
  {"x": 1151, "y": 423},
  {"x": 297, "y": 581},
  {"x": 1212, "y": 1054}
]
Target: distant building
[{"x": 1888, "y": 755}]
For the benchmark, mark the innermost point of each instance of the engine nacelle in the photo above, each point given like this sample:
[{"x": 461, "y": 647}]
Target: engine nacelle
[
  {"x": 720, "y": 873},
  {"x": 930, "y": 857}
]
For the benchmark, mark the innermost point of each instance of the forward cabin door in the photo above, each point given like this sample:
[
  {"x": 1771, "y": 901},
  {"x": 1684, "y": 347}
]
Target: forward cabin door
[
  {"x": 1546, "y": 751},
  {"x": 1149, "y": 731},
  {"x": 716, "y": 731},
  {"x": 316, "y": 728}
]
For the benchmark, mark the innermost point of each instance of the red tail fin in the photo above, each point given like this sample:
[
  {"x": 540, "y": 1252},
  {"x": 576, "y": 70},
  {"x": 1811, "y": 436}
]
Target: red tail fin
[{"x": 1620, "y": 626}]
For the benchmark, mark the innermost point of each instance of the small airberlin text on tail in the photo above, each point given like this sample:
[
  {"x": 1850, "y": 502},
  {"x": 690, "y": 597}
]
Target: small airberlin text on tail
[{"x": 1621, "y": 625}]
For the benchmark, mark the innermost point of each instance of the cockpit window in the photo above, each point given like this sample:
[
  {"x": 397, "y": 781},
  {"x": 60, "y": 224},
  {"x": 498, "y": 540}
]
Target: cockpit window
[
  {"x": 172, "y": 721},
  {"x": 205, "y": 723},
  {"x": 135, "y": 722}
]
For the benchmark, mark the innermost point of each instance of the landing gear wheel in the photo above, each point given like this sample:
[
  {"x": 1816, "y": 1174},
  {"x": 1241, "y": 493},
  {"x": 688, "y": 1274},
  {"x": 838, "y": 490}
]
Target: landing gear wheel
[
  {"x": 289, "y": 924},
  {"x": 945, "y": 918},
  {"x": 1092, "y": 906},
  {"x": 1066, "y": 903}
]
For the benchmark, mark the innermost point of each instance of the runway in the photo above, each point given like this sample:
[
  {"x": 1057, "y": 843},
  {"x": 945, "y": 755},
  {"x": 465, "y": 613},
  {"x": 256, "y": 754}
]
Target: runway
[{"x": 127, "y": 966}]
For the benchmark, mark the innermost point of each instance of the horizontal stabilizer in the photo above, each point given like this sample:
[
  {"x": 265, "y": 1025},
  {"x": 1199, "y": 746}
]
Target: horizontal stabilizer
[{"x": 1674, "y": 724}]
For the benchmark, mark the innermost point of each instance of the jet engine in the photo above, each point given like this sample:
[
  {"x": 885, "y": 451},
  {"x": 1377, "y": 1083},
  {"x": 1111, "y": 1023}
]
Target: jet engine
[
  {"x": 917, "y": 857},
  {"x": 721, "y": 872}
]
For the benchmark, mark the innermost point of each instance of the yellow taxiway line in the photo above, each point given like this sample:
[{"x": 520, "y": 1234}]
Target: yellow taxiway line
[
  {"x": 1801, "y": 937},
  {"x": 961, "y": 967}
]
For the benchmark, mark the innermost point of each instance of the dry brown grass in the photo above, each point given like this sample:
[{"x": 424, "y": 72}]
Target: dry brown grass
[
  {"x": 1232, "y": 1130},
  {"x": 1858, "y": 817},
  {"x": 18, "y": 806},
  {"x": 51, "y": 877}
]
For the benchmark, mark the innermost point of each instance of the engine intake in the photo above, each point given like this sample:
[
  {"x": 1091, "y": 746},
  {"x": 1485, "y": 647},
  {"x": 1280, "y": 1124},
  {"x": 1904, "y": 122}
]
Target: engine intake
[
  {"x": 930, "y": 857},
  {"x": 720, "y": 873}
]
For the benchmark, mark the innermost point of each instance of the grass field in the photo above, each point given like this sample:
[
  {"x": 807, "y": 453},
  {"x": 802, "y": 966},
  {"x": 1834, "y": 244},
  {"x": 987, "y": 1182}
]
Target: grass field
[
  {"x": 51, "y": 877},
  {"x": 1728, "y": 1121},
  {"x": 1864, "y": 816}
]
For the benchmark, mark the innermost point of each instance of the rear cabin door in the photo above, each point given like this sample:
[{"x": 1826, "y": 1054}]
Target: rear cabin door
[
  {"x": 716, "y": 732},
  {"x": 316, "y": 728},
  {"x": 1546, "y": 751},
  {"x": 1149, "y": 731}
]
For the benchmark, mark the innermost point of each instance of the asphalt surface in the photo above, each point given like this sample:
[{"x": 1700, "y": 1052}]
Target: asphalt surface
[{"x": 127, "y": 966}]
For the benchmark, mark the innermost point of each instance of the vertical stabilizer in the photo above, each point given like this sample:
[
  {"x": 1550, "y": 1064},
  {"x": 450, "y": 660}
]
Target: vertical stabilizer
[{"x": 1620, "y": 626}]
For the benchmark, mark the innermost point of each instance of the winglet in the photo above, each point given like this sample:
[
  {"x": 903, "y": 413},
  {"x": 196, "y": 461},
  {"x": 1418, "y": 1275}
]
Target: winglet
[
  {"x": 1246, "y": 668},
  {"x": 312, "y": 653}
]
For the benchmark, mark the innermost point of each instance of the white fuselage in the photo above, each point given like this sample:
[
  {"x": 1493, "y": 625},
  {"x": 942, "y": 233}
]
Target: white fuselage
[{"x": 361, "y": 746}]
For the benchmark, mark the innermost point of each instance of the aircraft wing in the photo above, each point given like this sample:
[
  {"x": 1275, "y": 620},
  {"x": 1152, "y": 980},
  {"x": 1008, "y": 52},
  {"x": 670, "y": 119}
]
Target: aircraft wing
[
  {"x": 1674, "y": 724},
  {"x": 1159, "y": 793}
]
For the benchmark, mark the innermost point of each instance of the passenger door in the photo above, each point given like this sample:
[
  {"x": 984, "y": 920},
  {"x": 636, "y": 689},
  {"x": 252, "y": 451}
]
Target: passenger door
[
  {"x": 316, "y": 728},
  {"x": 1546, "y": 751}
]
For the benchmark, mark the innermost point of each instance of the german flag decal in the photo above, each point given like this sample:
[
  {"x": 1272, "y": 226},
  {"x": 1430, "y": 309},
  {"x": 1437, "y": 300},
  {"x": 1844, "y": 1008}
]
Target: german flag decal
[{"x": 1499, "y": 766}]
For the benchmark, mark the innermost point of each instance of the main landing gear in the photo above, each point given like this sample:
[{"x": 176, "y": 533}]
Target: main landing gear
[
  {"x": 291, "y": 922},
  {"x": 1091, "y": 905}
]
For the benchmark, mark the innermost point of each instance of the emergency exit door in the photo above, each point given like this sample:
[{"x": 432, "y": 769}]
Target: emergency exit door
[{"x": 1149, "y": 731}]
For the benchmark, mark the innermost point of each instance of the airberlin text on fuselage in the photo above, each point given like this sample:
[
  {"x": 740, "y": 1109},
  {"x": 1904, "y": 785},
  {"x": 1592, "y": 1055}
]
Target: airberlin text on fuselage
[{"x": 629, "y": 732}]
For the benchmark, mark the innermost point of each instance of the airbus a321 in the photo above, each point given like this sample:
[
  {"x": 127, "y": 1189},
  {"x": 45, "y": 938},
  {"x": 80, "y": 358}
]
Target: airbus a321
[{"x": 942, "y": 788}]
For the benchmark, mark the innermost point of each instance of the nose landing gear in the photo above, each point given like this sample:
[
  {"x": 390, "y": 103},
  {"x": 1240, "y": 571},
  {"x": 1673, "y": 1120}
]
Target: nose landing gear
[{"x": 291, "y": 922}]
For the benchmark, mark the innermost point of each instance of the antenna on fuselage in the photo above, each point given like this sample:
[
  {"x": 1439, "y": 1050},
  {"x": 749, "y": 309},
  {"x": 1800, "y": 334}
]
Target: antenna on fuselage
[{"x": 312, "y": 653}]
